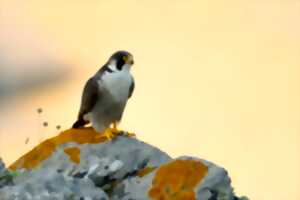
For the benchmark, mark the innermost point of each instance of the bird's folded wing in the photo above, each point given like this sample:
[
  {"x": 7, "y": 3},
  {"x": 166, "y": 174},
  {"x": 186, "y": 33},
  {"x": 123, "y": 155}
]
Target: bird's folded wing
[
  {"x": 131, "y": 89},
  {"x": 90, "y": 96}
]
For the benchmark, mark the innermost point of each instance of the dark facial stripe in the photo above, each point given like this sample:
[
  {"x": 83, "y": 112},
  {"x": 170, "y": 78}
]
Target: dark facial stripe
[
  {"x": 107, "y": 69},
  {"x": 120, "y": 63}
]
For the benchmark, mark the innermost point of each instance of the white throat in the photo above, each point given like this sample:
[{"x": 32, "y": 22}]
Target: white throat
[{"x": 117, "y": 82}]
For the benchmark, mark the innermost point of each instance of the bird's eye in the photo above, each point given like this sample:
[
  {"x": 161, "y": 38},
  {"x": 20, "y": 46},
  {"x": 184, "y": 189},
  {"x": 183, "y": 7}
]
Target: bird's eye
[{"x": 125, "y": 58}]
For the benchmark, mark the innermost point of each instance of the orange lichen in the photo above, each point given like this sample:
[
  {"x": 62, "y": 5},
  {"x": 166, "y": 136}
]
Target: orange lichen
[
  {"x": 74, "y": 154},
  {"x": 34, "y": 157},
  {"x": 145, "y": 171},
  {"x": 177, "y": 180}
]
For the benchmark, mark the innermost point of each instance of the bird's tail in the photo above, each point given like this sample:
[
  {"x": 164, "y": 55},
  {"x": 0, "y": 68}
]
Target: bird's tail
[{"x": 79, "y": 123}]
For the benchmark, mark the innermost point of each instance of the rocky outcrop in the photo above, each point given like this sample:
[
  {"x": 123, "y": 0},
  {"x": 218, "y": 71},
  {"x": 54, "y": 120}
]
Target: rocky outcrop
[
  {"x": 82, "y": 164},
  {"x": 6, "y": 178}
]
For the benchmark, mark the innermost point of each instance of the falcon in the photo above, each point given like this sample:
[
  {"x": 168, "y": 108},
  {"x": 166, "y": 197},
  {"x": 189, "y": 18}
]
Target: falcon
[{"x": 105, "y": 95}]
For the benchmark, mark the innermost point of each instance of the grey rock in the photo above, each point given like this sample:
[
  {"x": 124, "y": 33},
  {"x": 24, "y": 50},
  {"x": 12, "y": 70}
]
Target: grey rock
[
  {"x": 48, "y": 184},
  {"x": 6, "y": 178},
  {"x": 134, "y": 188},
  {"x": 108, "y": 170},
  {"x": 2, "y": 166},
  {"x": 216, "y": 185},
  {"x": 109, "y": 161}
]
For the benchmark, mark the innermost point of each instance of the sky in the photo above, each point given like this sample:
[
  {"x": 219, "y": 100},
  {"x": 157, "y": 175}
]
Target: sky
[{"x": 216, "y": 79}]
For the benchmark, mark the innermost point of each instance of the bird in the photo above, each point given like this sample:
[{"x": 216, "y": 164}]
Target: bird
[{"x": 105, "y": 95}]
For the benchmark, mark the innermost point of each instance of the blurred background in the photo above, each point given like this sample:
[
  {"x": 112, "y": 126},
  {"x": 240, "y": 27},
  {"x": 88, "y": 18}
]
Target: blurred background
[{"x": 215, "y": 79}]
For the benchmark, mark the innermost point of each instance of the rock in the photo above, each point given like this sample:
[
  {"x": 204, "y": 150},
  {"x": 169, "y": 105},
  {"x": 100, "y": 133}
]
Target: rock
[
  {"x": 82, "y": 164},
  {"x": 183, "y": 178},
  {"x": 6, "y": 178},
  {"x": 49, "y": 184},
  {"x": 2, "y": 166}
]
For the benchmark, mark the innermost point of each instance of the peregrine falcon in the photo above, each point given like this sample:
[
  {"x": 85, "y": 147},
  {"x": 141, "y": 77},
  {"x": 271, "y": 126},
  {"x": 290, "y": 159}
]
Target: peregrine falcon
[{"x": 106, "y": 93}]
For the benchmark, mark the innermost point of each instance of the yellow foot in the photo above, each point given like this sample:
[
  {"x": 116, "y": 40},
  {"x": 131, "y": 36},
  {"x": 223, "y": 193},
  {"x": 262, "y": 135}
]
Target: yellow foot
[
  {"x": 115, "y": 130},
  {"x": 109, "y": 134},
  {"x": 129, "y": 134}
]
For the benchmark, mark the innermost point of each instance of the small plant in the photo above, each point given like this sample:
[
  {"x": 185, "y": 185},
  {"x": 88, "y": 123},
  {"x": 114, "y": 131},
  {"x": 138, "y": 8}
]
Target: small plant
[{"x": 6, "y": 177}]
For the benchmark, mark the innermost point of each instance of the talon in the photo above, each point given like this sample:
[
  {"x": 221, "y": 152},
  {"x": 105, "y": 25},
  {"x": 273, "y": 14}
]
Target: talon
[
  {"x": 109, "y": 134},
  {"x": 130, "y": 134},
  {"x": 115, "y": 130}
]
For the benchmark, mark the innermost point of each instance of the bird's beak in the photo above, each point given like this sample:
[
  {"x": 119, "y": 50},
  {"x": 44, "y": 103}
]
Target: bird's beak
[{"x": 130, "y": 61}]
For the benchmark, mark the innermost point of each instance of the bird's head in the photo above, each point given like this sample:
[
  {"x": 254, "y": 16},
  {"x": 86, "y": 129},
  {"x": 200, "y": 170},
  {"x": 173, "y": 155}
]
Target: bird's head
[{"x": 120, "y": 60}]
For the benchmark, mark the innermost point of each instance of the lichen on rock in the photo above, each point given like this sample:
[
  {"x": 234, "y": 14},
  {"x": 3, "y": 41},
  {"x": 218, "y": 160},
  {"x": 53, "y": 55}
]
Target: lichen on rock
[
  {"x": 82, "y": 164},
  {"x": 74, "y": 154},
  {"x": 44, "y": 150},
  {"x": 177, "y": 180}
]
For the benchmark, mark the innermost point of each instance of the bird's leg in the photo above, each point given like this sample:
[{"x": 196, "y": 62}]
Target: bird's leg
[
  {"x": 115, "y": 129},
  {"x": 117, "y": 132},
  {"x": 108, "y": 133}
]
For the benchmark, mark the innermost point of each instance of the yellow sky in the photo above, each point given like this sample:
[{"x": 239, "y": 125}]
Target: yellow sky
[{"x": 215, "y": 79}]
